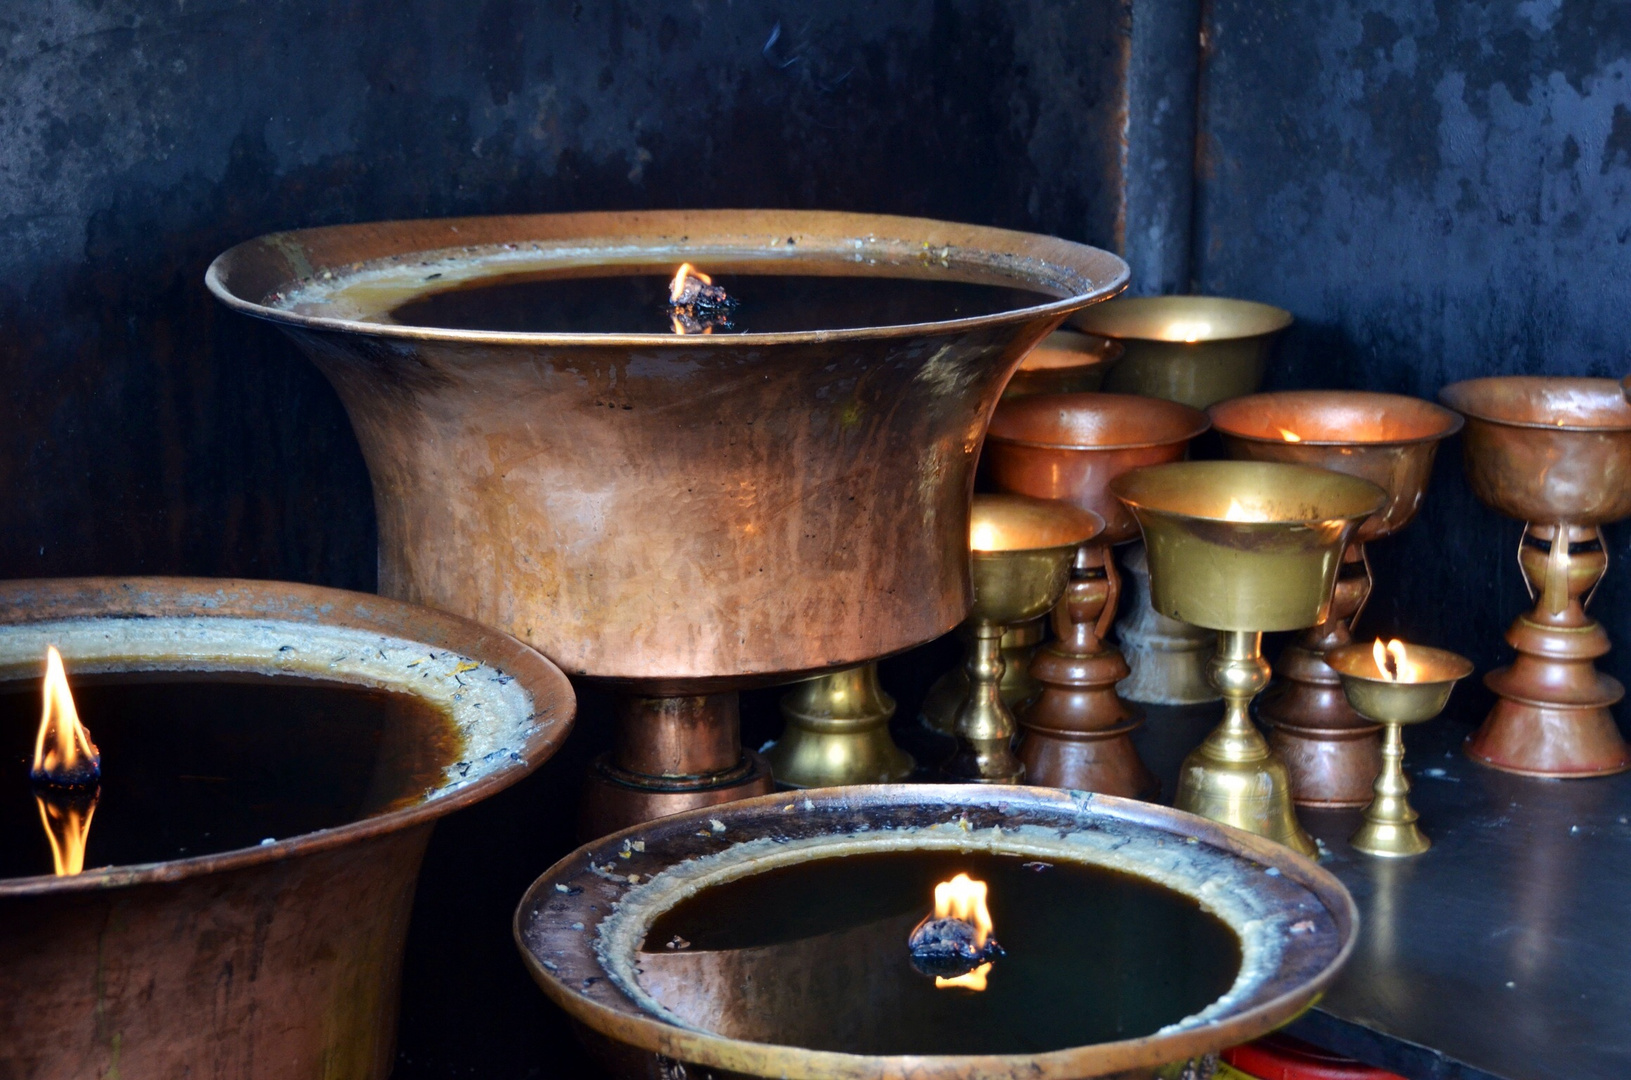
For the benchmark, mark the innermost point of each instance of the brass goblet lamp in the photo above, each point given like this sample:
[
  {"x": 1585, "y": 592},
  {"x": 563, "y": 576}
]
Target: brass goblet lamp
[
  {"x": 1195, "y": 350},
  {"x": 1556, "y": 454},
  {"x": 838, "y": 733},
  {"x": 1394, "y": 686},
  {"x": 1077, "y": 734},
  {"x": 1332, "y": 752},
  {"x": 1066, "y": 362},
  {"x": 1020, "y": 555},
  {"x": 1243, "y": 547}
]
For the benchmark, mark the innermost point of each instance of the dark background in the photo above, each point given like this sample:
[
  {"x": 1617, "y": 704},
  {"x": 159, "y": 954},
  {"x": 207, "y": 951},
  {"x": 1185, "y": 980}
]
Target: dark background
[{"x": 1435, "y": 190}]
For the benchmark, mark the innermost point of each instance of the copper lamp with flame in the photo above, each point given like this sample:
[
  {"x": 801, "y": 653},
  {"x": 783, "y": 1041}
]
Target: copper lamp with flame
[
  {"x": 67, "y": 771},
  {"x": 1394, "y": 685}
]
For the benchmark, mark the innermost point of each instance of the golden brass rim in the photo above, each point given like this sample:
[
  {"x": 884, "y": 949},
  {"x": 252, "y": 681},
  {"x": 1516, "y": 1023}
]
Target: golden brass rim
[
  {"x": 1453, "y": 421},
  {"x": 1200, "y": 425},
  {"x": 1273, "y": 319},
  {"x": 1124, "y": 486},
  {"x": 1081, "y": 273}
]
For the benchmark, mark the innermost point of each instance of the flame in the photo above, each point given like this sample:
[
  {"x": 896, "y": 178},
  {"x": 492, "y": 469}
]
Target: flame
[
  {"x": 1393, "y": 661},
  {"x": 985, "y": 538},
  {"x": 1237, "y": 512},
  {"x": 676, "y": 288},
  {"x": 1189, "y": 332},
  {"x": 1290, "y": 436},
  {"x": 63, "y": 751},
  {"x": 964, "y": 898},
  {"x": 973, "y": 980},
  {"x": 67, "y": 821}
]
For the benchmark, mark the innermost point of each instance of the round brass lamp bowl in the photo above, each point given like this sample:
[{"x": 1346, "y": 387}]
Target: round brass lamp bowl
[
  {"x": 1020, "y": 552},
  {"x": 1193, "y": 349},
  {"x": 1333, "y": 753},
  {"x": 1245, "y": 545},
  {"x": 583, "y": 932},
  {"x": 1065, "y": 363},
  {"x": 282, "y": 959}
]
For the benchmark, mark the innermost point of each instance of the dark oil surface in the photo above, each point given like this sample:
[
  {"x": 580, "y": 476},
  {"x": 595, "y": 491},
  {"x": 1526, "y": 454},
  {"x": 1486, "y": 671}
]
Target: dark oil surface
[
  {"x": 194, "y": 764},
  {"x": 636, "y": 303},
  {"x": 1093, "y": 955}
]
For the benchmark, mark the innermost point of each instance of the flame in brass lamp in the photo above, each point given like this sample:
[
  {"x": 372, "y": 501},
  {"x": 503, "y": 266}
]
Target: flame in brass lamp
[
  {"x": 1021, "y": 551},
  {"x": 66, "y": 771},
  {"x": 1242, "y": 548},
  {"x": 1395, "y": 685}
]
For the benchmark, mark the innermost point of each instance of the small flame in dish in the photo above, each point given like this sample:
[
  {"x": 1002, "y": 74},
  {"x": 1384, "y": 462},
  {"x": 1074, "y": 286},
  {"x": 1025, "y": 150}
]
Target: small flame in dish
[
  {"x": 1290, "y": 436},
  {"x": 985, "y": 537},
  {"x": 964, "y": 898},
  {"x": 64, "y": 755},
  {"x": 1188, "y": 332},
  {"x": 1393, "y": 661},
  {"x": 974, "y": 980},
  {"x": 681, "y": 290}
]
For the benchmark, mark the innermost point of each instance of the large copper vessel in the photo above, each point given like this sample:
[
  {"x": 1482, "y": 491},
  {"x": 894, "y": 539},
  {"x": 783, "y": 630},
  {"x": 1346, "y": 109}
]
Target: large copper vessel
[
  {"x": 1333, "y": 753},
  {"x": 580, "y": 931},
  {"x": 277, "y": 961},
  {"x": 1554, "y": 453},
  {"x": 681, "y": 515}
]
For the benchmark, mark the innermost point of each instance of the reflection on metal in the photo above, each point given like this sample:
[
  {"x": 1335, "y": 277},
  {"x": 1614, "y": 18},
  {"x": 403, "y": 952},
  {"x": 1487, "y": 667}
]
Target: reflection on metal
[
  {"x": 1193, "y": 349},
  {"x": 838, "y": 733}
]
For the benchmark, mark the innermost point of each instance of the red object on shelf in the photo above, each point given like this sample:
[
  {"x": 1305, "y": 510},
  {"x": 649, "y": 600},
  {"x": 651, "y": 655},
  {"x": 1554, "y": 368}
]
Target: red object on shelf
[{"x": 1280, "y": 1057}]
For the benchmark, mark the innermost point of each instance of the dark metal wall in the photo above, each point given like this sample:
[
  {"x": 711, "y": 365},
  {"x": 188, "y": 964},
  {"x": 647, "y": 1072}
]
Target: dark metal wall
[
  {"x": 150, "y": 431},
  {"x": 1437, "y": 190}
]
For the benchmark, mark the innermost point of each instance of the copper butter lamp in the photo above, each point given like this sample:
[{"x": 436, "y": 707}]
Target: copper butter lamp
[
  {"x": 282, "y": 959},
  {"x": 1066, "y": 362},
  {"x": 1244, "y": 547},
  {"x": 1195, "y": 350},
  {"x": 1077, "y": 734},
  {"x": 1333, "y": 753},
  {"x": 1395, "y": 685},
  {"x": 1021, "y": 551},
  {"x": 1554, "y": 453},
  {"x": 799, "y": 1010},
  {"x": 677, "y": 515}
]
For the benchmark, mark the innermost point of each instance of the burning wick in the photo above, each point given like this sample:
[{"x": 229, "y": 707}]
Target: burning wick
[
  {"x": 1290, "y": 436},
  {"x": 1188, "y": 332},
  {"x": 1393, "y": 661},
  {"x": 955, "y": 944},
  {"x": 66, "y": 772},
  {"x": 1237, "y": 511},
  {"x": 985, "y": 537},
  {"x": 695, "y": 304}
]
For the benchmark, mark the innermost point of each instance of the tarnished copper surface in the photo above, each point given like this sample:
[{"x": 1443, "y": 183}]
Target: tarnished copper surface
[
  {"x": 1069, "y": 447},
  {"x": 662, "y": 509},
  {"x": 1555, "y": 453},
  {"x": 272, "y": 962},
  {"x": 1332, "y": 753},
  {"x": 684, "y": 515},
  {"x": 566, "y": 932}
]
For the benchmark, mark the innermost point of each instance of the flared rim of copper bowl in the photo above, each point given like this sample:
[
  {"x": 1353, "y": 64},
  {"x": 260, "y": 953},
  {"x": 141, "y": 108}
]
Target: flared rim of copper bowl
[
  {"x": 189, "y": 600},
  {"x": 1583, "y": 404},
  {"x": 1091, "y": 421},
  {"x": 557, "y": 924},
  {"x": 1146, "y": 318},
  {"x": 1334, "y": 418},
  {"x": 251, "y": 275}
]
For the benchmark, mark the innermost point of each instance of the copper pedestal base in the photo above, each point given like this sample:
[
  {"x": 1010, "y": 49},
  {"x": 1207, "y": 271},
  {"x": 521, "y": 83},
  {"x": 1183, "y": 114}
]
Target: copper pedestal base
[
  {"x": 1330, "y": 767},
  {"x": 672, "y": 754}
]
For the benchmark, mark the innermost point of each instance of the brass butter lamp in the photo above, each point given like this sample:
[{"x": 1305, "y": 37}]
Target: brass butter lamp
[
  {"x": 1395, "y": 686},
  {"x": 1332, "y": 752},
  {"x": 1554, "y": 453},
  {"x": 1078, "y": 732},
  {"x": 1020, "y": 551},
  {"x": 1195, "y": 350},
  {"x": 1067, "y": 362},
  {"x": 1244, "y": 547},
  {"x": 837, "y": 733}
]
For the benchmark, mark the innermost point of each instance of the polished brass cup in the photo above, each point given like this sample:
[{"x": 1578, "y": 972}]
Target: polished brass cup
[
  {"x": 1244, "y": 547},
  {"x": 1554, "y": 453},
  {"x": 1019, "y": 643},
  {"x": 1066, "y": 362},
  {"x": 1192, "y": 349},
  {"x": 1390, "y": 828},
  {"x": 838, "y": 733},
  {"x": 1077, "y": 733},
  {"x": 1332, "y": 753},
  {"x": 1020, "y": 555}
]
